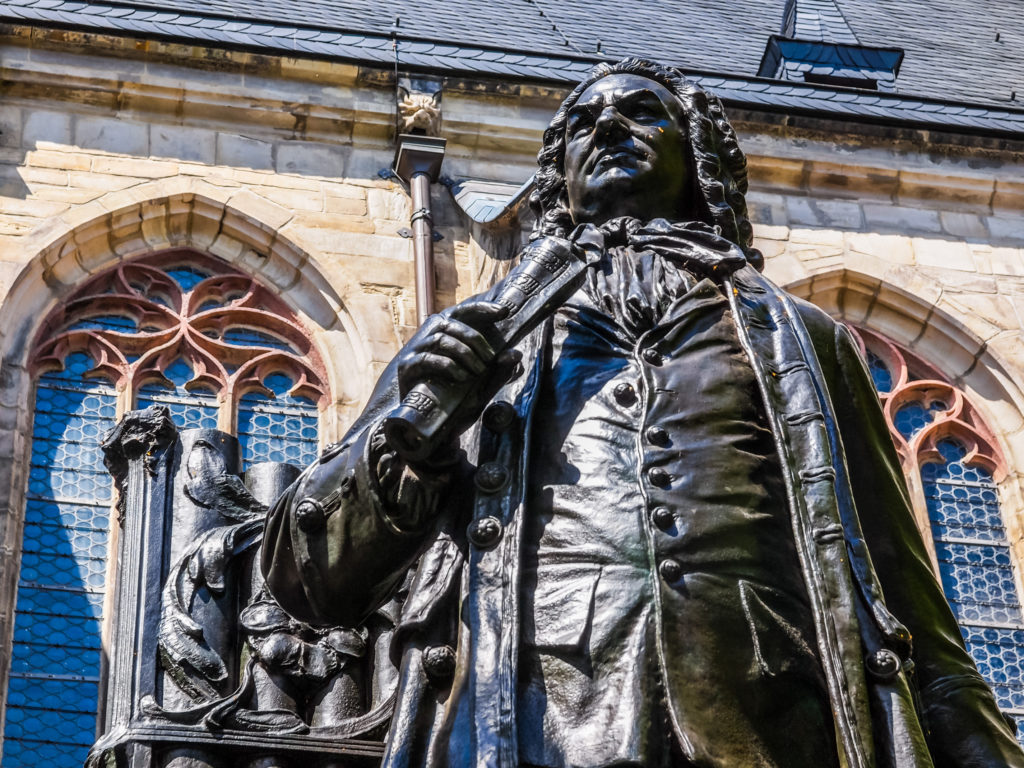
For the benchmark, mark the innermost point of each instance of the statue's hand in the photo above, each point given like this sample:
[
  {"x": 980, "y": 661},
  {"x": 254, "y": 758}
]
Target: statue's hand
[{"x": 452, "y": 351}]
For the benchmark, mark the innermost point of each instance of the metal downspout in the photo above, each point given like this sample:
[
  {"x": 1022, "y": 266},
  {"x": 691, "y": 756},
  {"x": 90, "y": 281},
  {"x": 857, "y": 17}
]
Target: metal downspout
[{"x": 418, "y": 163}]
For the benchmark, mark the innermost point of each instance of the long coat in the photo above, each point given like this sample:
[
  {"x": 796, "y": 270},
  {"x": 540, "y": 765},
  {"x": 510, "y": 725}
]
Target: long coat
[{"x": 904, "y": 692}]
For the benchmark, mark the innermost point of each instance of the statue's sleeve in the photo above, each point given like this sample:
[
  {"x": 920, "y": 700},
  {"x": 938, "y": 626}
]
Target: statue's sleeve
[
  {"x": 963, "y": 724},
  {"x": 339, "y": 541}
]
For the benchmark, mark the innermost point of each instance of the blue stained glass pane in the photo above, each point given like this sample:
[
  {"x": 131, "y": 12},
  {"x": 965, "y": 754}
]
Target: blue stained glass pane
[
  {"x": 187, "y": 277},
  {"x": 55, "y": 656},
  {"x": 179, "y": 372},
  {"x": 189, "y": 410},
  {"x": 247, "y": 337},
  {"x": 119, "y": 323},
  {"x": 880, "y": 373},
  {"x": 913, "y": 417},
  {"x": 975, "y": 565},
  {"x": 63, "y": 659},
  {"x": 67, "y": 726},
  {"x": 40, "y": 599},
  {"x": 282, "y": 428},
  {"x": 976, "y": 569},
  {"x": 31, "y": 753},
  {"x": 66, "y": 695}
]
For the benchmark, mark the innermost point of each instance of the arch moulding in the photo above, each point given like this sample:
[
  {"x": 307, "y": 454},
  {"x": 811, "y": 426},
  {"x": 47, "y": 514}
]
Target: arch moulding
[
  {"x": 894, "y": 308},
  {"x": 235, "y": 225}
]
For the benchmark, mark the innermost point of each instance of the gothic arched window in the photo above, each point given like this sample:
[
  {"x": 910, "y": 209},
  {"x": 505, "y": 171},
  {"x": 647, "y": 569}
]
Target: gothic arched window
[
  {"x": 179, "y": 329},
  {"x": 942, "y": 438}
]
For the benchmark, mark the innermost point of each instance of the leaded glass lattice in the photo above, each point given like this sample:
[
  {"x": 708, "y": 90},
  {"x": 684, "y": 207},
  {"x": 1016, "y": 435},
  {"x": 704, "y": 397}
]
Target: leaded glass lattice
[
  {"x": 977, "y": 569},
  {"x": 178, "y": 329},
  {"x": 277, "y": 428},
  {"x": 52, "y": 695},
  {"x": 939, "y": 433}
]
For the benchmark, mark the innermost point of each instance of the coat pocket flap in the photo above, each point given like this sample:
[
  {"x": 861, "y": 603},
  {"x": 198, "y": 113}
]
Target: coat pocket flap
[{"x": 562, "y": 608}]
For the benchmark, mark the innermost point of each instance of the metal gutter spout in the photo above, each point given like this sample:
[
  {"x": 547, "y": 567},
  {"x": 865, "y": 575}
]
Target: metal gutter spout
[{"x": 418, "y": 163}]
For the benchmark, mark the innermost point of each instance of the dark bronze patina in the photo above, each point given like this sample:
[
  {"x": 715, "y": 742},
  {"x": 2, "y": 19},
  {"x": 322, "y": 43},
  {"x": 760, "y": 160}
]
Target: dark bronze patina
[{"x": 678, "y": 535}]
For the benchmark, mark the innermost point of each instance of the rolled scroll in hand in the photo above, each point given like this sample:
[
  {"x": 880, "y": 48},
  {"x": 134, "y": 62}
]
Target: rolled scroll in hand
[{"x": 550, "y": 271}]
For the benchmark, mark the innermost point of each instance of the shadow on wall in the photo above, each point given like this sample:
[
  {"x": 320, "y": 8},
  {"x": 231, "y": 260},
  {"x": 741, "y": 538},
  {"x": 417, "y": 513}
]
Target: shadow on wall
[
  {"x": 974, "y": 223},
  {"x": 45, "y": 150}
]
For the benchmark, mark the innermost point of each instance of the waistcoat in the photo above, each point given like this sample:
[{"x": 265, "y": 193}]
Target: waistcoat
[{"x": 660, "y": 578}]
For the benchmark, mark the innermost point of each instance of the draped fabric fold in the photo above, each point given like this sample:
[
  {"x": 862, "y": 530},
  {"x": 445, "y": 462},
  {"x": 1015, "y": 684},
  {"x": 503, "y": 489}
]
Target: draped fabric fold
[{"x": 647, "y": 266}]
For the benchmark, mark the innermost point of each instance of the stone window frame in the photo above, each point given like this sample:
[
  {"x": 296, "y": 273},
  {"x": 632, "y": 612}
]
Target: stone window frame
[
  {"x": 144, "y": 315},
  {"x": 915, "y": 380},
  {"x": 182, "y": 327},
  {"x": 235, "y": 225}
]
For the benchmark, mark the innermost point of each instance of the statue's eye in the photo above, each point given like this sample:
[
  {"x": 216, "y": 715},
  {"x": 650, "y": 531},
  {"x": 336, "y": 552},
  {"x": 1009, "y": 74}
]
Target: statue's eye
[
  {"x": 578, "y": 123},
  {"x": 644, "y": 113}
]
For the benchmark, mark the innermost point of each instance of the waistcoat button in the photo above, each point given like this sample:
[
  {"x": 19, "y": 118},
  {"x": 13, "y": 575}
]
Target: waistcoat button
[
  {"x": 309, "y": 515},
  {"x": 491, "y": 477},
  {"x": 659, "y": 477},
  {"x": 652, "y": 356},
  {"x": 484, "y": 532},
  {"x": 657, "y": 435},
  {"x": 499, "y": 416},
  {"x": 624, "y": 393},
  {"x": 662, "y": 518},
  {"x": 670, "y": 570}
]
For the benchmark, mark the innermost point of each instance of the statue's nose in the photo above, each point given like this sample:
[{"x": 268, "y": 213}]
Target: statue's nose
[{"x": 610, "y": 124}]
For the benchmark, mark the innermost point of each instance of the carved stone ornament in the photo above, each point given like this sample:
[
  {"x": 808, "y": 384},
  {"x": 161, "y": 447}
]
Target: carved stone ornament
[
  {"x": 419, "y": 113},
  {"x": 141, "y": 434}
]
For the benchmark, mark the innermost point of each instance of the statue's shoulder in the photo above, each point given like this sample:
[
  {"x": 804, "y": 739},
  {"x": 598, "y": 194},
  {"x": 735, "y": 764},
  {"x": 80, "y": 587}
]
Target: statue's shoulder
[{"x": 819, "y": 323}]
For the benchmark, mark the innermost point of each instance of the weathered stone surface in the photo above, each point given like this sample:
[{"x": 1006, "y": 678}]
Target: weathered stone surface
[
  {"x": 10, "y": 126},
  {"x": 310, "y": 158},
  {"x": 960, "y": 224},
  {"x": 900, "y": 219},
  {"x": 112, "y": 135},
  {"x": 824, "y": 213},
  {"x": 1006, "y": 229},
  {"x": 891, "y": 249},
  {"x": 243, "y": 152},
  {"x": 44, "y": 127},
  {"x": 180, "y": 143},
  {"x": 947, "y": 254}
]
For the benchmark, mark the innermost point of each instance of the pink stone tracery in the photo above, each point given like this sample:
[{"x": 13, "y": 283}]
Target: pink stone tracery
[
  {"x": 189, "y": 322},
  {"x": 953, "y": 415}
]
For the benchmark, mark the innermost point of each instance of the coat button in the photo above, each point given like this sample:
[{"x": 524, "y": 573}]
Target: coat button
[
  {"x": 484, "y": 532},
  {"x": 491, "y": 477},
  {"x": 309, "y": 516},
  {"x": 439, "y": 663},
  {"x": 499, "y": 416},
  {"x": 659, "y": 477},
  {"x": 651, "y": 356},
  {"x": 662, "y": 518},
  {"x": 624, "y": 393},
  {"x": 670, "y": 570},
  {"x": 883, "y": 665},
  {"x": 657, "y": 436}
]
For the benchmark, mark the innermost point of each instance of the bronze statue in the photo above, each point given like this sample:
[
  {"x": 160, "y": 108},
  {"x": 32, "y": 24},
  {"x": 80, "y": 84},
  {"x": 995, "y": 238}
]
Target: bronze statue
[{"x": 663, "y": 523}]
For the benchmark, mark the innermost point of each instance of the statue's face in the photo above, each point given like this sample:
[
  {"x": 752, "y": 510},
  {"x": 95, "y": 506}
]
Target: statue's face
[{"x": 626, "y": 152}]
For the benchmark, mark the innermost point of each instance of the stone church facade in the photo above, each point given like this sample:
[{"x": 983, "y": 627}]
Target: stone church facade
[{"x": 192, "y": 215}]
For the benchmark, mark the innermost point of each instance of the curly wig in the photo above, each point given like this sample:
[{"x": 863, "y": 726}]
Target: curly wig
[{"x": 719, "y": 165}]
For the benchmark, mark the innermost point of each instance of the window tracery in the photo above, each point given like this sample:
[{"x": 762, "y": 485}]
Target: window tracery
[
  {"x": 179, "y": 329},
  {"x": 942, "y": 439},
  {"x": 144, "y": 320}
]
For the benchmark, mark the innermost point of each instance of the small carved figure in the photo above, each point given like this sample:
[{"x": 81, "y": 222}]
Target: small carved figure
[
  {"x": 666, "y": 526},
  {"x": 419, "y": 112}
]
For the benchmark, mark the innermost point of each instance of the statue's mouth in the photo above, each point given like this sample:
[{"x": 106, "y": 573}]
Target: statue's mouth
[{"x": 616, "y": 156}]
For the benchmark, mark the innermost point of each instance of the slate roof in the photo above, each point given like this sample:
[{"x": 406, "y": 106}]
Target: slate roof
[{"x": 955, "y": 74}]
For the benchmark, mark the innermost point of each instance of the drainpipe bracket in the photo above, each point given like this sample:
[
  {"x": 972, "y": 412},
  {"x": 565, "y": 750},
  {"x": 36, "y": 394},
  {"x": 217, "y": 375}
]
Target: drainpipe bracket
[{"x": 415, "y": 154}]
